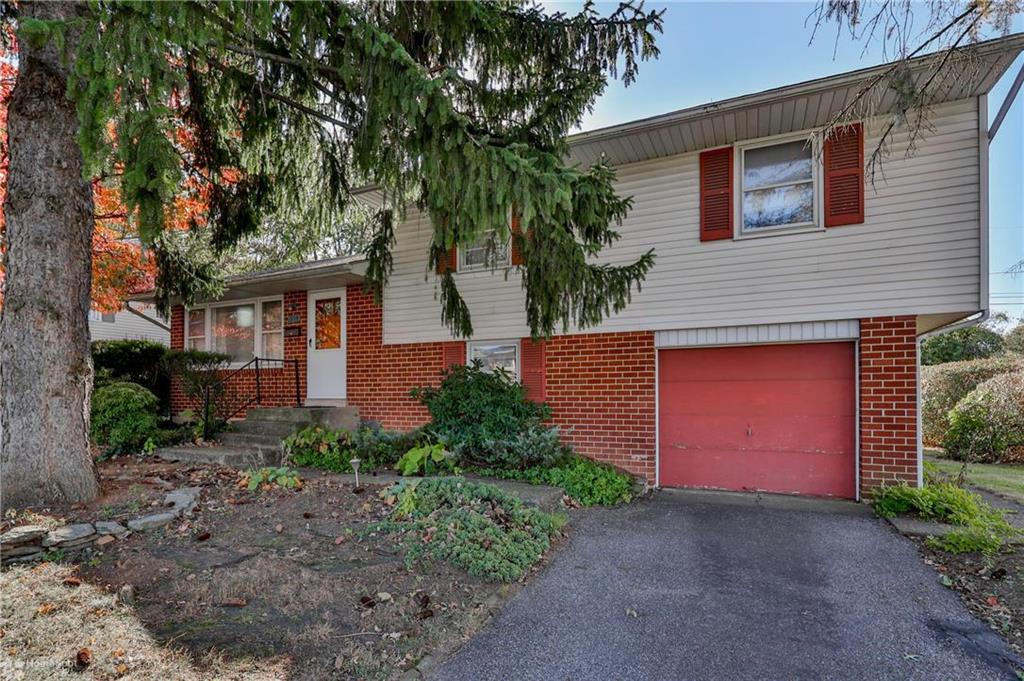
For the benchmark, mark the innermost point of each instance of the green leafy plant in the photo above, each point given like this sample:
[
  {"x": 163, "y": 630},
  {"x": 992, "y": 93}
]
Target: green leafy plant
[
  {"x": 473, "y": 409},
  {"x": 124, "y": 417},
  {"x": 944, "y": 385},
  {"x": 475, "y": 527},
  {"x": 200, "y": 373},
  {"x": 135, "y": 361},
  {"x": 972, "y": 342},
  {"x": 980, "y": 527},
  {"x": 535, "y": 446},
  {"x": 316, "y": 446},
  {"x": 988, "y": 422},
  {"x": 425, "y": 460},
  {"x": 266, "y": 477},
  {"x": 380, "y": 449},
  {"x": 588, "y": 482}
]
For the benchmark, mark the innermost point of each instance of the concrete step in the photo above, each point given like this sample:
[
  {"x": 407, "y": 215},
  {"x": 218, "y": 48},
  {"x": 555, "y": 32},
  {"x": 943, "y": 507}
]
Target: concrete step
[
  {"x": 235, "y": 457},
  {"x": 278, "y": 429},
  {"x": 250, "y": 441},
  {"x": 332, "y": 417}
]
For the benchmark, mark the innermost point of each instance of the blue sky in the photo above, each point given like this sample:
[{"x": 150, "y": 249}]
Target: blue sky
[{"x": 712, "y": 51}]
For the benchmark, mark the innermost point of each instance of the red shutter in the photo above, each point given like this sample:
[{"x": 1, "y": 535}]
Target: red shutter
[
  {"x": 844, "y": 176},
  {"x": 449, "y": 263},
  {"x": 517, "y": 236},
  {"x": 716, "y": 194},
  {"x": 454, "y": 353},
  {"x": 532, "y": 372}
]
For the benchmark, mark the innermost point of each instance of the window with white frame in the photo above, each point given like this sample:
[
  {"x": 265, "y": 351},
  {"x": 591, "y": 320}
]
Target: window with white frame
[
  {"x": 494, "y": 355},
  {"x": 484, "y": 253},
  {"x": 778, "y": 183},
  {"x": 242, "y": 330}
]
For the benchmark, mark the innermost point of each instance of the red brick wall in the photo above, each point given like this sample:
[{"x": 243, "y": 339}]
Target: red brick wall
[
  {"x": 888, "y": 401},
  {"x": 601, "y": 390},
  {"x": 380, "y": 376},
  {"x": 277, "y": 385}
]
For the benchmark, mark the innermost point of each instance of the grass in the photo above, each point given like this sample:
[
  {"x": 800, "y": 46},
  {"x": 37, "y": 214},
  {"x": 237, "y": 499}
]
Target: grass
[{"x": 1004, "y": 479}]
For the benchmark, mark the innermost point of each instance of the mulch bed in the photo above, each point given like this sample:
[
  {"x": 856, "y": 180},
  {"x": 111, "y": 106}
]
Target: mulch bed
[{"x": 278, "y": 572}]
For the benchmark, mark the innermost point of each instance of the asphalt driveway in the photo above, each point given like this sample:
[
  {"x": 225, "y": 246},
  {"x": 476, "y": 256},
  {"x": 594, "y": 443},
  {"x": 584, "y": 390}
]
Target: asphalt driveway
[{"x": 689, "y": 586}]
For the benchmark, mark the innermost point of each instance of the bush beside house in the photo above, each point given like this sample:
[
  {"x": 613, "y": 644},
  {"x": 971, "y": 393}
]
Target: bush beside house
[
  {"x": 988, "y": 423},
  {"x": 944, "y": 385}
]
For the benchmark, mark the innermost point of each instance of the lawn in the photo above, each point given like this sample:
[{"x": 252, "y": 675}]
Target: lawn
[{"x": 1004, "y": 479}]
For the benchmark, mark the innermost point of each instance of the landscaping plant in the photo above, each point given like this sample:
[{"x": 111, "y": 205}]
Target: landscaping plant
[
  {"x": 265, "y": 478},
  {"x": 944, "y": 385},
  {"x": 988, "y": 422},
  {"x": 316, "y": 446},
  {"x": 426, "y": 460},
  {"x": 124, "y": 417},
  {"x": 588, "y": 482},
  {"x": 137, "y": 361},
  {"x": 475, "y": 527},
  {"x": 200, "y": 373}
]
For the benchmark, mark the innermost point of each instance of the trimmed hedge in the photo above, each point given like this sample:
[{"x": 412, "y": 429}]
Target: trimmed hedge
[
  {"x": 124, "y": 416},
  {"x": 989, "y": 421},
  {"x": 944, "y": 385},
  {"x": 135, "y": 361}
]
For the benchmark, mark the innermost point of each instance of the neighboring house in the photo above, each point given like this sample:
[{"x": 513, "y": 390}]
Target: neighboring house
[
  {"x": 774, "y": 344},
  {"x": 137, "y": 322}
]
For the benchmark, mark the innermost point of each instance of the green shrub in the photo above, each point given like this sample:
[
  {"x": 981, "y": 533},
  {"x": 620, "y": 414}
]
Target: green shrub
[
  {"x": 426, "y": 460},
  {"x": 475, "y": 527},
  {"x": 1015, "y": 339},
  {"x": 533, "y": 447},
  {"x": 282, "y": 476},
  {"x": 988, "y": 421},
  {"x": 972, "y": 342},
  {"x": 200, "y": 371},
  {"x": 380, "y": 449},
  {"x": 135, "y": 361},
  {"x": 980, "y": 527},
  {"x": 124, "y": 416},
  {"x": 944, "y": 385},
  {"x": 472, "y": 409},
  {"x": 319, "y": 447},
  {"x": 588, "y": 482}
]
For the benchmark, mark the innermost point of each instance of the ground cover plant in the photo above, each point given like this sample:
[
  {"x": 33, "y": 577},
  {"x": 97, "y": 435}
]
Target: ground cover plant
[
  {"x": 476, "y": 527},
  {"x": 317, "y": 446},
  {"x": 980, "y": 528},
  {"x": 586, "y": 481}
]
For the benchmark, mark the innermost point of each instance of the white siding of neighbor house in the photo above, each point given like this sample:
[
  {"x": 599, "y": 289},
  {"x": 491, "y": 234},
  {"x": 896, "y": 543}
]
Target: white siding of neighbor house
[
  {"x": 128, "y": 326},
  {"x": 918, "y": 252}
]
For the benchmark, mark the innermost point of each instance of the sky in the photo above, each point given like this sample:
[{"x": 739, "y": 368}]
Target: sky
[{"x": 713, "y": 51}]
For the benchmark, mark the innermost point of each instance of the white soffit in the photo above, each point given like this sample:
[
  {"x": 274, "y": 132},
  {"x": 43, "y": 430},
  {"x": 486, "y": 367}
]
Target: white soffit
[{"x": 755, "y": 334}]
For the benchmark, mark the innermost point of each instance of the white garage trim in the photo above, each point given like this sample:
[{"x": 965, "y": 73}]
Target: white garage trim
[{"x": 799, "y": 332}]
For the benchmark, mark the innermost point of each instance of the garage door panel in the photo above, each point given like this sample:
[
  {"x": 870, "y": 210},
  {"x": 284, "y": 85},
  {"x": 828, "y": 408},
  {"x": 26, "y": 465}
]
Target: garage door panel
[{"x": 778, "y": 418}]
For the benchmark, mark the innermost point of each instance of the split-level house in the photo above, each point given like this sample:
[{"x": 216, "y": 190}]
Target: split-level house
[{"x": 774, "y": 345}]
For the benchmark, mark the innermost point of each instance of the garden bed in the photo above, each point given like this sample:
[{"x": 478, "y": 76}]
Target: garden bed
[{"x": 271, "y": 574}]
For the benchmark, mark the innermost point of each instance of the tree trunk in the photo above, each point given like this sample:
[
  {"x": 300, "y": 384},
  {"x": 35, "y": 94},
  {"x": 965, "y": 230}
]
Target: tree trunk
[{"x": 45, "y": 365}]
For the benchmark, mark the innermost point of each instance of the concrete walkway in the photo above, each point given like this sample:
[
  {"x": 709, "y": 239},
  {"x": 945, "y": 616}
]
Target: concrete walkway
[{"x": 695, "y": 586}]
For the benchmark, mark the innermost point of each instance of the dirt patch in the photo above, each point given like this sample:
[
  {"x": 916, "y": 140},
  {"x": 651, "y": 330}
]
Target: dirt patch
[
  {"x": 257, "y": 575},
  {"x": 991, "y": 588}
]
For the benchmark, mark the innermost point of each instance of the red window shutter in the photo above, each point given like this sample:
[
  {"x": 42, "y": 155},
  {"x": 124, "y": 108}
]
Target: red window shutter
[
  {"x": 532, "y": 371},
  {"x": 844, "y": 176},
  {"x": 450, "y": 263},
  {"x": 516, "y": 256},
  {"x": 454, "y": 353},
  {"x": 716, "y": 194}
]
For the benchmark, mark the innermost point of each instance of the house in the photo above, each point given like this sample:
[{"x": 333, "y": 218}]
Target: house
[
  {"x": 774, "y": 345},
  {"x": 134, "y": 322}
]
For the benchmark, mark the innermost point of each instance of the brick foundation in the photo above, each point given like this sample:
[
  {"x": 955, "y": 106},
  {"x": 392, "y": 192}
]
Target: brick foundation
[{"x": 888, "y": 401}]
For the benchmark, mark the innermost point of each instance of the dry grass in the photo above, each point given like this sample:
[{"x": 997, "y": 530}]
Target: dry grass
[{"x": 44, "y": 622}]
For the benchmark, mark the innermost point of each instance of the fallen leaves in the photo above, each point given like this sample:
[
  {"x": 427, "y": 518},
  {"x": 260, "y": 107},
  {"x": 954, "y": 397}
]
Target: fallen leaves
[
  {"x": 234, "y": 603},
  {"x": 202, "y": 536},
  {"x": 83, "y": 658},
  {"x": 71, "y": 580},
  {"x": 46, "y": 608},
  {"x": 367, "y": 602}
]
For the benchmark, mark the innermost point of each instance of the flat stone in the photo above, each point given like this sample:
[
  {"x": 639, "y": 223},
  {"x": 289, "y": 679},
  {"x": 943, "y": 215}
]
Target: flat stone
[
  {"x": 110, "y": 527},
  {"x": 915, "y": 527},
  {"x": 27, "y": 558},
  {"x": 20, "y": 550},
  {"x": 22, "y": 535},
  {"x": 105, "y": 539},
  {"x": 149, "y": 522},
  {"x": 182, "y": 500},
  {"x": 76, "y": 544},
  {"x": 69, "y": 534}
]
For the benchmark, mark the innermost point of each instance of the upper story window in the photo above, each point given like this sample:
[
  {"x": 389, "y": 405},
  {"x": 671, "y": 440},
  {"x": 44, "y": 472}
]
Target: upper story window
[
  {"x": 484, "y": 253},
  {"x": 496, "y": 355},
  {"x": 778, "y": 186}
]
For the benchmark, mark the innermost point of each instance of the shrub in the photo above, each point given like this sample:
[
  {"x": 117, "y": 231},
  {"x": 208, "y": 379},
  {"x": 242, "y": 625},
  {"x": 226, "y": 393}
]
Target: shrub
[
  {"x": 944, "y": 385},
  {"x": 533, "y": 447},
  {"x": 380, "y": 449},
  {"x": 265, "y": 478},
  {"x": 1015, "y": 339},
  {"x": 475, "y": 527},
  {"x": 199, "y": 372},
  {"x": 588, "y": 482},
  {"x": 124, "y": 416},
  {"x": 472, "y": 409},
  {"x": 980, "y": 527},
  {"x": 988, "y": 421},
  {"x": 136, "y": 361},
  {"x": 972, "y": 342},
  {"x": 319, "y": 447}
]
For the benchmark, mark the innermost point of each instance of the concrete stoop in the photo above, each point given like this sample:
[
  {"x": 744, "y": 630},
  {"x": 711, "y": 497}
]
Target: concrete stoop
[{"x": 256, "y": 440}]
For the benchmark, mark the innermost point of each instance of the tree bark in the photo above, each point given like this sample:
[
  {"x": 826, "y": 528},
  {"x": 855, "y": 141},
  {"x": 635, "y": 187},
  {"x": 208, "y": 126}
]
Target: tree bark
[{"x": 45, "y": 364}]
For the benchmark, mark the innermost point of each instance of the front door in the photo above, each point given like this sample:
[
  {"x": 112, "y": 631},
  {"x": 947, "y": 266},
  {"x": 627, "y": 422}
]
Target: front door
[{"x": 325, "y": 345}]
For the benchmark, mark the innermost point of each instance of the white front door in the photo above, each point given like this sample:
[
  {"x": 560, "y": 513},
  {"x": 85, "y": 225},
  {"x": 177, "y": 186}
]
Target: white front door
[{"x": 325, "y": 345}]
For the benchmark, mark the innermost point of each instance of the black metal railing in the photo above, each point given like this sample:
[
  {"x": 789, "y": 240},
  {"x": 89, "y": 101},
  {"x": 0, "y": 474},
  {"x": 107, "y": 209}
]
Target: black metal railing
[{"x": 234, "y": 392}]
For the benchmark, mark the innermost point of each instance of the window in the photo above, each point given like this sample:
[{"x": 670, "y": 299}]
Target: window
[
  {"x": 484, "y": 253},
  {"x": 242, "y": 330},
  {"x": 272, "y": 329},
  {"x": 496, "y": 355},
  {"x": 778, "y": 184},
  {"x": 108, "y": 317},
  {"x": 195, "y": 333}
]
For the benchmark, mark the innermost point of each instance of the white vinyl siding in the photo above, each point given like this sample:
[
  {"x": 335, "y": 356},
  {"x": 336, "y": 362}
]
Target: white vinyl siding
[
  {"x": 916, "y": 253},
  {"x": 128, "y": 326}
]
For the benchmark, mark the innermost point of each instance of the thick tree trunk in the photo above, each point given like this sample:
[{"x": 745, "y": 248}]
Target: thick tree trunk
[{"x": 45, "y": 366}]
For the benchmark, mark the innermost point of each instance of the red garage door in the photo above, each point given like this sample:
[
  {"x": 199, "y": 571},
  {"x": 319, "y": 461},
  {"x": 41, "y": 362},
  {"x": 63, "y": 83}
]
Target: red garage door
[{"x": 778, "y": 418}]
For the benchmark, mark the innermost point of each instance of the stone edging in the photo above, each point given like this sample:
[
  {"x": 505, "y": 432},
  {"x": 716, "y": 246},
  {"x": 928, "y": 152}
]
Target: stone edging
[{"x": 29, "y": 543}]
